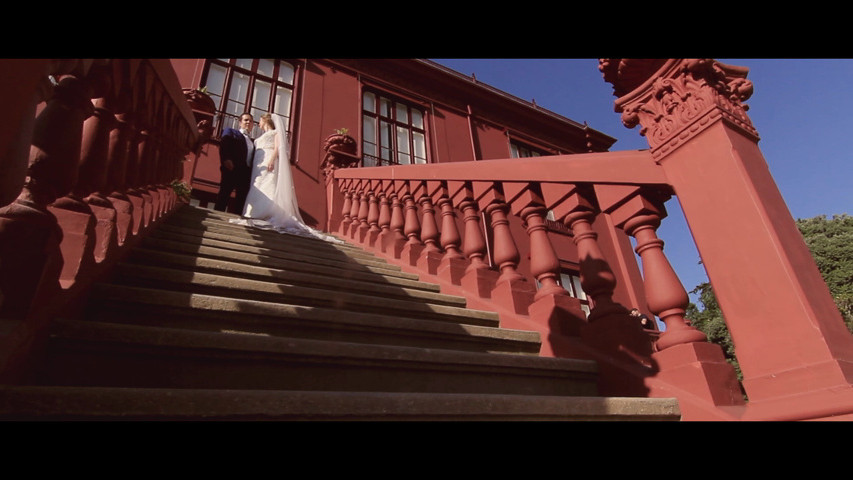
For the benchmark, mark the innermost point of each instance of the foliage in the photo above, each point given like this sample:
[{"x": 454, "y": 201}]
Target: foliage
[
  {"x": 182, "y": 190},
  {"x": 831, "y": 244},
  {"x": 710, "y": 321}
]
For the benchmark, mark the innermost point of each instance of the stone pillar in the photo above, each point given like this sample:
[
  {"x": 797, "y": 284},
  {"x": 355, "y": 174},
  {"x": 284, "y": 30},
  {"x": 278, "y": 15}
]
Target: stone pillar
[{"x": 793, "y": 348}]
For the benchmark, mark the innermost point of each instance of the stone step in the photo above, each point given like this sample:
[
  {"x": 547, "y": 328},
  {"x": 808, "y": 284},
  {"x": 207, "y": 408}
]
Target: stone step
[
  {"x": 245, "y": 235},
  {"x": 275, "y": 250},
  {"x": 195, "y": 217},
  {"x": 84, "y": 353},
  {"x": 151, "y": 404},
  {"x": 225, "y": 251},
  {"x": 162, "y": 308},
  {"x": 244, "y": 288},
  {"x": 366, "y": 284}
]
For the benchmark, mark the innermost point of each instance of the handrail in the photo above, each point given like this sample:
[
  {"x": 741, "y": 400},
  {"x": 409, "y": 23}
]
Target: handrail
[
  {"x": 100, "y": 141},
  {"x": 632, "y": 167}
]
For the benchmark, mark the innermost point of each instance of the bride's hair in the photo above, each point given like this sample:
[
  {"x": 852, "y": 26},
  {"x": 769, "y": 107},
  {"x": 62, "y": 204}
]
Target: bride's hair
[{"x": 268, "y": 119}]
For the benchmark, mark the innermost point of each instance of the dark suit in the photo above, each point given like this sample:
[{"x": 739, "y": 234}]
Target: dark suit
[{"x": 233, "y": 147}]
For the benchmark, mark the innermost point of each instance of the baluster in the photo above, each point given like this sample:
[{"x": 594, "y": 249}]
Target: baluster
[
  {"x": 93, "y": 176},
  {"x": 397, "y": 239},
  {"x": 353, "y": 212},
  {"x": 117, "y": 177},
  {"x": 347, "y": 208},
  {"x": 143, "y": 163},
  {"x": 453, "y": 264},
  {"x": 640, "y": 217},
  {"x": 412, "y": 229},
  {"x": 477, "y": 278},
  {"x": 429, "y": 227},
  {"x": 597, "y": 279},
  {"x": 511, "y": 288},
  {"x": 383, "y": 222},
  {"x": 544, "y": 264},
  {"x": 24, "y": 85},
  {"x": 137, "y": 200},
  {"x": 551, "y": 304},
  {"x": 372, "y": 219},
  {"x": 30, "y": 233},
  {"x": 505, "y": 253},
  {"x": 450, "y": 238},
  {"x": 474, "y": 243},
  {"x": 363, "y": 208},
  {"x": 431, "y": 255}
]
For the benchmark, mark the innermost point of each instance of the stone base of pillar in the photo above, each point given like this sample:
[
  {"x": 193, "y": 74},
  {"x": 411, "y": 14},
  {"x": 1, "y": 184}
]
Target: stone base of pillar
[
  {"x": 77, "y": 222},
  {"x": 560, "y": 313},
  {"x": 373, "y": 241},
  {"x": 429, "y": 261},
  {"x": 124, "y": 216},
  {"x": 29, "y": 247},
  {"x": 479, "y": 282},
  {"x": 106, "y": 239},
  {"x": 452, "y": 269},
  {"x": 343, "y": 228},
  {"x": 620, "y": 335},
  {"x": 410, "y": 253},
  {"x": 814, "y": 395},
  {"x": 139, "y": 203},
  {"x": 516, "y": 295},
  {"x": 699, "y": 368},
  {"x": 394, "y": 247}
]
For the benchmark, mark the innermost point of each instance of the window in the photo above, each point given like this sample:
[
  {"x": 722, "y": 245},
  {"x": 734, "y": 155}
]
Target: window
[
  {"x": 571, "y": 281},
  {"x": 393, "y": 131},
  {"x": 518, "y": 150},
  {"x": 254, "y": 85}
]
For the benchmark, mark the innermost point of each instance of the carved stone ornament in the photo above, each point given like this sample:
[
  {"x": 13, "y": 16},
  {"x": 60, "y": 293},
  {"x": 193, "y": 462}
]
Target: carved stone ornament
[
  {"x": 678, "y": 98},
  {"x": 340, "y": 153}
]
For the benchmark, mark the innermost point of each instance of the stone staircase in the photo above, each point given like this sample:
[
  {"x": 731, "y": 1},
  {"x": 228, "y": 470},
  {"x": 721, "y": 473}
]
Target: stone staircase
[{"x": 208, "y": 320}]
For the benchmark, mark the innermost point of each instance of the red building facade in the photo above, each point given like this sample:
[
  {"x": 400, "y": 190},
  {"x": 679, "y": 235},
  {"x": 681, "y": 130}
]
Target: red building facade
[{"x": 397, "y": 112}]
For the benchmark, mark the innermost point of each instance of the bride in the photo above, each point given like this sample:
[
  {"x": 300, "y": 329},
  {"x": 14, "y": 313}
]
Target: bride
[{"x": 271, "y": 202}]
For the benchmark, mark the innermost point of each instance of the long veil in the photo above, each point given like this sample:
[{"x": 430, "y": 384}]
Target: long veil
[
  {"x": 287, "y": 208},
  {"x": 286, "y": 217}
]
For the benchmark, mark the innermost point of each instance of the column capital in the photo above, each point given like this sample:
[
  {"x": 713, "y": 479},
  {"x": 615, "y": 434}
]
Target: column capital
[{"x": 674, "y": 99}]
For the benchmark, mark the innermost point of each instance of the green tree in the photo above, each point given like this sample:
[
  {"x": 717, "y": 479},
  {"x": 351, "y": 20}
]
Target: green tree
[{"x": 831, "y": 244}]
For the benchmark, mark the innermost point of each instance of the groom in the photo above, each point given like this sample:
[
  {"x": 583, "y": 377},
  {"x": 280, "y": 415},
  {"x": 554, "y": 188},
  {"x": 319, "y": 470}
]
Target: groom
[{"x": 235, "y": 149}]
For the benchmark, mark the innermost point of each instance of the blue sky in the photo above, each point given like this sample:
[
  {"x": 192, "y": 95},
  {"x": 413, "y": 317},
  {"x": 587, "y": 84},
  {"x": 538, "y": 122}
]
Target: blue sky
[{"x": 801, "y": 108}]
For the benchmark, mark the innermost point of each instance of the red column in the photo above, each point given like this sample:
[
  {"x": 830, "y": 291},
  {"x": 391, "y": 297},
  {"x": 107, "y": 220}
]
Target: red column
[{"x": 792, "y": 345}]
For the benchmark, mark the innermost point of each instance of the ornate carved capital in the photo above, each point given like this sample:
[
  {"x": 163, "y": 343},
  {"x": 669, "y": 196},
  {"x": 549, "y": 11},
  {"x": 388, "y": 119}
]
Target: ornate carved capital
[
  {"x": 673, "y": 100},
  {"x": 340, "y": 153}
]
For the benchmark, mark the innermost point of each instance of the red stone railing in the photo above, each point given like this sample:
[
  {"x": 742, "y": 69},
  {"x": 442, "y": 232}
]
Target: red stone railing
[
  {"x": 792, "y": 346},
  {"x": 428, "y": 217},
  {"x": 90, "y": 151}
]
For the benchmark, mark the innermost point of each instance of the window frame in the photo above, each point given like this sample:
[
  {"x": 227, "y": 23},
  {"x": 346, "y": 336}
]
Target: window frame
[
  {"x": 574, "y": 287},
  {"x": 229, "y": 68},
  {"x": 391, "y": 124}
]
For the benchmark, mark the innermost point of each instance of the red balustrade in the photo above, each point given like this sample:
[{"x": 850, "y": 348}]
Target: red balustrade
[{"x": 105, "y": 139}]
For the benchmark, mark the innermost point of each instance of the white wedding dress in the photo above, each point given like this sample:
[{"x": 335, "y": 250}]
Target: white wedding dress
[{"x": 271, "y": 202}]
